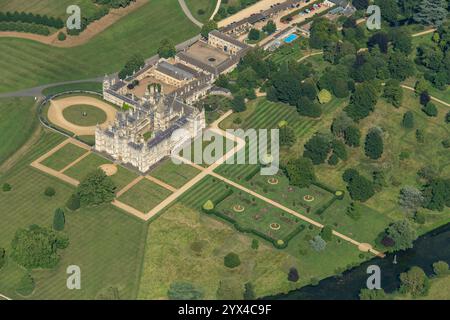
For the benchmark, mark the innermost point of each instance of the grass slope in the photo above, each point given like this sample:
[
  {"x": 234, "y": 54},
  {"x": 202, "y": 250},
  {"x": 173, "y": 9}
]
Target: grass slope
[
  {"x": 52, "y": 8},
  {"x": 17, "y": 122},
  {"x": 25, "y": 63}
]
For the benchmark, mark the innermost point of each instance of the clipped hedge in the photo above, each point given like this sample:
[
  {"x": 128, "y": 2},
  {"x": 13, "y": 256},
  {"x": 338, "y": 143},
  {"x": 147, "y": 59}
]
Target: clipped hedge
[
  {"x": 24, "y": 27},
  {"x": 29, "y": 17}
]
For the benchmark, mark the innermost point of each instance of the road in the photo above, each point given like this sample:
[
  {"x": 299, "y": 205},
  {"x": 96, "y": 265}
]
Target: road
[{"x": 188, "y": 13}]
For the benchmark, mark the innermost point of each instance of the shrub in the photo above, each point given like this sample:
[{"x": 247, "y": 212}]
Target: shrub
[
  {"x": 317, "y": 243},
  {"x": 26, "y": 285},
  {"x": 255, "y": 244},
  {"x": 6, "y": 187},
  {"x": 231, "y": 260},
  {"x": 61, "y": 36},
  {"x": 49, "y": 192},
  {"x": 414, "y": 281},
  {"x": 73, "y": 203},
  {"x": 446, "y": 143},
  {"x": 441, "y": 268},
  {"x": 420, "y": 217},
  {"x": 208, "y": 205},
  {"x": 430, "y": 109},
  {"x": 326, "y": 233},
  {"x": 249, "y": 291},
  {"x": 59, "y": 220},
  {"x": 293, "y": 275},
  {"x": 408, "y": 120}
]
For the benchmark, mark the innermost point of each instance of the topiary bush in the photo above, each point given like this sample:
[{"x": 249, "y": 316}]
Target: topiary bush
[
  {"x": 59, "y": 220},
  {"x": 73, "y": 203},
  {"x": 232, "y": 260},
  {"x": 49, "y": 192},
  {"x": 6, "y": 187},
  {"x": 61, "y": 36}
]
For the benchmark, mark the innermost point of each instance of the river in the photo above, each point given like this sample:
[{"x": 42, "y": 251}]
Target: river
[{"x": 429, "y": 248}]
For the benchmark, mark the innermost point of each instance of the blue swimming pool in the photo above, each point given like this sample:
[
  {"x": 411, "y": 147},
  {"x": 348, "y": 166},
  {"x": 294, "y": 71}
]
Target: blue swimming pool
[{"x": 290, "y": 38}]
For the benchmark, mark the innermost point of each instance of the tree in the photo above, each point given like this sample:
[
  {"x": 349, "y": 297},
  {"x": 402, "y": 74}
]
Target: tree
[
  {"x": 352, "y": 136},
  {"x": 374, "y": 144},
  {"x": 380, "y": 39},
  {"x": 231, "y": 260},
  {"x": 270, "y": 27},
  {"x": 318, "y": 148},
  {"x": 441, "y": 268},
  {"x": 184, "y": 291},
  {"x": 393, "y": 93},
  {"x": 35, "y": 247},
  {"x": 6, "y": 187},
  {"x": 389, "y": 10},
  {"x": 326, "y": 233},
  {"x": 317, "y": 243},
  {"x": 408, "y": 120},
  {"x": 135, "y": 63},
  {"x": 363, "y": 101},
  {"x": 73, "y": 203},
  {"x": 400, "y": 66},
  {"x": 361, "y": 4},
  {"x": 430, "y": 110},
  {"x": 307, "y": 108},
  {"x": 49, "y": 192},
  {"x": 166, "y": 49},
  {"x": 96, "y": 189},
  {"x": 410, "y": 198},
  {"x": 324, "y": 96},
  {"x": 447, "y": 117},
  {"x": 402, "y": 40},
  {"x": 414, "y": 282},
  {"x": 59, "y": 220},
  {"x": 254, "y": 34},
  {"x": 431, "y": 12},
  {"x": 209, "y": 26},
  {"x": 360, "y": 188},
  {"x": 402, "y": 233},
  {"x": 421, "y": 85},
  {"x": 293, "y": 275},
  {"x": 249, "y": 291},
  {"x": 372, "y": 294},
  {"x": 287, "y": 136},
  {"x": 322, "y": 32},
  {"x": 424, "y": 98},
  {"x": 436, "y": 194},
  {"x": 238, "y": 103},
  {"x": 300, "y": 172}
]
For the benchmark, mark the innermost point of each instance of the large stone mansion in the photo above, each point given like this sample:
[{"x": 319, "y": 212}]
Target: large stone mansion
[{"x": 158, "y": 100}]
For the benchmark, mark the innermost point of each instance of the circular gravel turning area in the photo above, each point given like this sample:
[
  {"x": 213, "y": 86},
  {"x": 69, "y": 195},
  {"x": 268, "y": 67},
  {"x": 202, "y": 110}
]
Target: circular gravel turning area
[{"x": 80, "y": 114}]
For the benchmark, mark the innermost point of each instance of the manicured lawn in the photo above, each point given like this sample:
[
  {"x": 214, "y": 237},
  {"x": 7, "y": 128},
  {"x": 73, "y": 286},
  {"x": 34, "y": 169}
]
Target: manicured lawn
[
  {"x": 84, "y": 115},
  {"x": 173, "y": 174},
  {"x": 145, "y": 195},
  {"x": 52, "y": 8},
  {"x": 18, "y": 120},
  {"x": 85, "y": 86},
  {"x": 25, "y": 63},
  {"x": 64, "y": 156},
  {"x": 292, "y": 51},
  {"x": 201, "y": 9},
  {"x": 104, "y": 242},
  {"x": 92, "y": 162}
]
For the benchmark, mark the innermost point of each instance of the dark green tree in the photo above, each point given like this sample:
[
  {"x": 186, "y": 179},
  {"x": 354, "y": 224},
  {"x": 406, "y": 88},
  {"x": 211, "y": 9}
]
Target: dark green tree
[
  {"x": 393, "y": 93},
  {"x": 96, "y": 189},
  {"x": 374, "y": 144},
  {"x": 318, "y": 148},
  {"x": 231, "y": 260},
  {"x": 59, "y": 220},
  {"x": 300, "y": 172},
  {"x": 166, "y": 49},
  {"x": 249, "y": 291},
  {"x": 408, "y": 120},
  {"x": 402, "y": 234}
]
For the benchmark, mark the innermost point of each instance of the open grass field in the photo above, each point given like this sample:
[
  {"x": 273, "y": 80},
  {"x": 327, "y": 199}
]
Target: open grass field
[
  {"x": 145, "y": 195},
  {"x": 25, "y": 63},
  {"x": 186, "y": 245},
  {"x": 85, "y": 86},
  {"x": 201, "y": 9},
  {"x": 52, "y": 8},
  {"x": 18, "y": 120},
  {"x": 105, "y": 242},
  {"x": 397, "y": 172},
  {"x": 64, "y": 156},
  {"x": 173, "y": 174},
  {"x": 84, "y": 115},
  {"x": 92, "y": 162}
]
